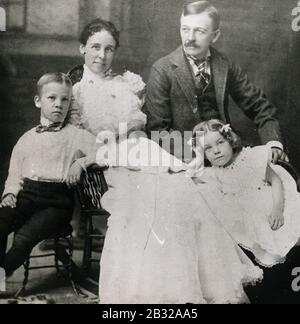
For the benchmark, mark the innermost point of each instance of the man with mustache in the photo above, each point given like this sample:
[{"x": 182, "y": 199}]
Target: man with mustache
[{"x": 193, "y": 84}]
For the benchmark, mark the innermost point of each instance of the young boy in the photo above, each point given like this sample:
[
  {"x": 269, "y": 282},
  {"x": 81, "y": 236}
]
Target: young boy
[{"x": 46, "y": 162}]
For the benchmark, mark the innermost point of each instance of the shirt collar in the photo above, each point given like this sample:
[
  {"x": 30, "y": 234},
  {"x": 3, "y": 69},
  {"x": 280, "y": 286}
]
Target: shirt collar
[
  {"x": 90, "y": 76},
  {"x": 45, "y": 121},
  {"x": 194, "y": 67},
  {"x": 207, "y": 56}
]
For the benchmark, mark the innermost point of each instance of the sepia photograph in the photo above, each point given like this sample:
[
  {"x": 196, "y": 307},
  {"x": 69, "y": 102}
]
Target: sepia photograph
[{"x": 149, "y": 154}]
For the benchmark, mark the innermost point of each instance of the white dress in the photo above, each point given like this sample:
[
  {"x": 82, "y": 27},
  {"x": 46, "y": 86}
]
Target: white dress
[
  {"x": 241, "y": 200},
  {"x": 162, "y": 244},
  {"x": 106, "y": 104}
]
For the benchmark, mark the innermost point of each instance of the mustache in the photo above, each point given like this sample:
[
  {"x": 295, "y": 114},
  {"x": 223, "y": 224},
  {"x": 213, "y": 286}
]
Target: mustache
[{"x": 191, "y": 44}]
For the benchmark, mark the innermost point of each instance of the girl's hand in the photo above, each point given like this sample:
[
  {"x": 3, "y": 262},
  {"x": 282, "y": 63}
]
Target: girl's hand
[
  {"x": 276, "y": 219},
  {"x": 9, "y": 201},
  {"x": 74, "y": 175}
]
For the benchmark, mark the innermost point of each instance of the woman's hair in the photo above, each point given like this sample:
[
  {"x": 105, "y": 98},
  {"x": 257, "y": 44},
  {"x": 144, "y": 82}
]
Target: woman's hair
[
  {"x": 198, "y": 7},
  {"x": 98, "y": 25},
  {"x": 56, "y": 77},
  {"x": 216, "y": 125}
]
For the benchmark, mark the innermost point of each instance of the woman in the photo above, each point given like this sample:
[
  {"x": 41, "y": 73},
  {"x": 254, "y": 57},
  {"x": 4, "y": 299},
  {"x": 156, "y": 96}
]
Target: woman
[
  {"x": 96, "y": 85},
  {"x": 162, "y": 244}
]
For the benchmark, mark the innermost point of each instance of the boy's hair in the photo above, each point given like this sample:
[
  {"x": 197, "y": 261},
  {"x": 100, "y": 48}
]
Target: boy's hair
[
  {"x": 98, "y": 25},
  {"x": 56, "y": 77},
  {"x": 216, "y": 125},
  {"x": 196, "y": 8}
]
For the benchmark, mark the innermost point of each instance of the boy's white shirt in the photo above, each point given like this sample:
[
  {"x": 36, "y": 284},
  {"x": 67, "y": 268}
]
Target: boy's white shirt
[{"x": 48, "y": 156}]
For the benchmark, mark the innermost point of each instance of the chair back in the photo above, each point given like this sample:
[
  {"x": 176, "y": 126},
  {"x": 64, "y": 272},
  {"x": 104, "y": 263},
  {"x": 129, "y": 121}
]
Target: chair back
[
  {"x": 92, "y": 187},
  {"x": 292, "y": 171}
]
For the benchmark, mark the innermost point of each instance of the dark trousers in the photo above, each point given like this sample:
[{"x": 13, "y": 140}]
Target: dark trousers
[{"x": 43, "y": 210}]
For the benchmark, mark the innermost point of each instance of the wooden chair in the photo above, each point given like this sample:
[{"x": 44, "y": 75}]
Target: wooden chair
[
  {"x": 62, "y": 245},
  {"x": 90, "y": 191},
  {"x": 292, "y": 171}
]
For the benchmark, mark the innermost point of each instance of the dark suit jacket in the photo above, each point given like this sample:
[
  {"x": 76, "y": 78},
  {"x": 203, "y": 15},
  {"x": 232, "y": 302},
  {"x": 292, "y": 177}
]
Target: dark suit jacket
[{"x": 171, "y": 101}]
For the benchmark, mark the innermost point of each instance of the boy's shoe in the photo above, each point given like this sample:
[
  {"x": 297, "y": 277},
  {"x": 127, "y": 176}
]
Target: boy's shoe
[{"x": 5, "y": 295}]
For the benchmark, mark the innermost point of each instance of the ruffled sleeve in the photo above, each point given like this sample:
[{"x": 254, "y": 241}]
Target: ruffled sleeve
[
  {"x": 135, "y": 83},
  {"x": 136, "y": 119}
]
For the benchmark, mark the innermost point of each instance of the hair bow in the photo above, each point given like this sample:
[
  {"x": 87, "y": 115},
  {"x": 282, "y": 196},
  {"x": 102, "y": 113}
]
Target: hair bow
[{"x": 226, "y": 128}]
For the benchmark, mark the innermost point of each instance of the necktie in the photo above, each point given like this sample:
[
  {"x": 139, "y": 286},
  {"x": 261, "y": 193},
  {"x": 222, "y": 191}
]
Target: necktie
[
  {"x": 55, "y": 127},
  {"x": 202, "y": 76}
]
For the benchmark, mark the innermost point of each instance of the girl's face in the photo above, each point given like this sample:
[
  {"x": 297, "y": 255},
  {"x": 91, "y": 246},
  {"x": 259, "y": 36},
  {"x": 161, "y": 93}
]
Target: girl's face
[
  {"x": 99, "y": 52},
  {"x": 217, "y": 149}
]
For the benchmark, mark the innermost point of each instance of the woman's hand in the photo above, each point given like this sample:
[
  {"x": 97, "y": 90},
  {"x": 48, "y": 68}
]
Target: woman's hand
[
  {"x": 276, "y": 219},
  {"x": 9, "y": 201},
  {"x": 74, "y": 175}
]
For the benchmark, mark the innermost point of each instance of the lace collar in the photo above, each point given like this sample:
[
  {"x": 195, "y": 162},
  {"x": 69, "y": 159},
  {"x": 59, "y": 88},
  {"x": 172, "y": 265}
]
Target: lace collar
[{"x": 91, "y": 77}]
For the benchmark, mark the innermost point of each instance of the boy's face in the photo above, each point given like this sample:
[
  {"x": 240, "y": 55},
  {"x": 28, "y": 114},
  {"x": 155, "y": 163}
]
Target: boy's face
[
  {"x": 54, "y": 101},
  {"x": 197, "y": 34},
  {"x": 217, "y": 149}
]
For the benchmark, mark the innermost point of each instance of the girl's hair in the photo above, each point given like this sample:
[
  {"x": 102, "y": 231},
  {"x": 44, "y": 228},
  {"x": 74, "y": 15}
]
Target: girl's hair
[
  {"x": 56, "y": 77},
  {"x": 98, "y": 25},
  {"x": 216, "y": 125},
  {"x": 198, "y": 7}
]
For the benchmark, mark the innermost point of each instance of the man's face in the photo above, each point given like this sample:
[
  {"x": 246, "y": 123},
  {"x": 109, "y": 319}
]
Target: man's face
[
  {"x": 197, "y": 34},
  {"x": 54, "y": 101}
]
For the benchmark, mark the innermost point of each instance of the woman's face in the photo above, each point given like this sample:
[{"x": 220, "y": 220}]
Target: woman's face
[
  {"x": 217, "y": 149},
  {"x": 99, "y": 52}
]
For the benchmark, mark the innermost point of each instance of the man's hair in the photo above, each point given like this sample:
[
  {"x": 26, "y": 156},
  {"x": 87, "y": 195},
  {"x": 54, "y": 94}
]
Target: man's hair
[
  {"x": 56, "y": 77},
  {"x": 98, "y": 25},
  {"x": 199, "y": 7}
]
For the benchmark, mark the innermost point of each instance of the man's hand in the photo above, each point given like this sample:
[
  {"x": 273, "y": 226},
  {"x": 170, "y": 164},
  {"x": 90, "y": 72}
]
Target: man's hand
[
  {"x": 9, "y": 201},
  {"x": 278, "y": 154},
  {"x": 74, "y": 175},
  {"x": 276, "y": 219}
]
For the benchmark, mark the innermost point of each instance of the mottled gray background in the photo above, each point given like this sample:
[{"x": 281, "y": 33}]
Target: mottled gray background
[{"x": 42, "y": 37}]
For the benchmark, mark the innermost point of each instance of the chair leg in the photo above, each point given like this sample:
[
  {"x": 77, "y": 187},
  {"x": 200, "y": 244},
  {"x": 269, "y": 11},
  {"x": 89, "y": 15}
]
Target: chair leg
[
  {"x": 88, "y": 242},
  {"x": 63, "y": 254},
  {"x": 22, "y": 290},
  {"x": 56, "y": 260}
]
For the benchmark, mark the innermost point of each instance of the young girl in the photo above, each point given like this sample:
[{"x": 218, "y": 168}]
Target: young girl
[{"x": 256, "y": 202}]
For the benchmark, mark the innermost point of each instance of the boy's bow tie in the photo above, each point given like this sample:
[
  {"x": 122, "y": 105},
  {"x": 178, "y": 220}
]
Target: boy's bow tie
[{"x": 55, "y": 127}]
